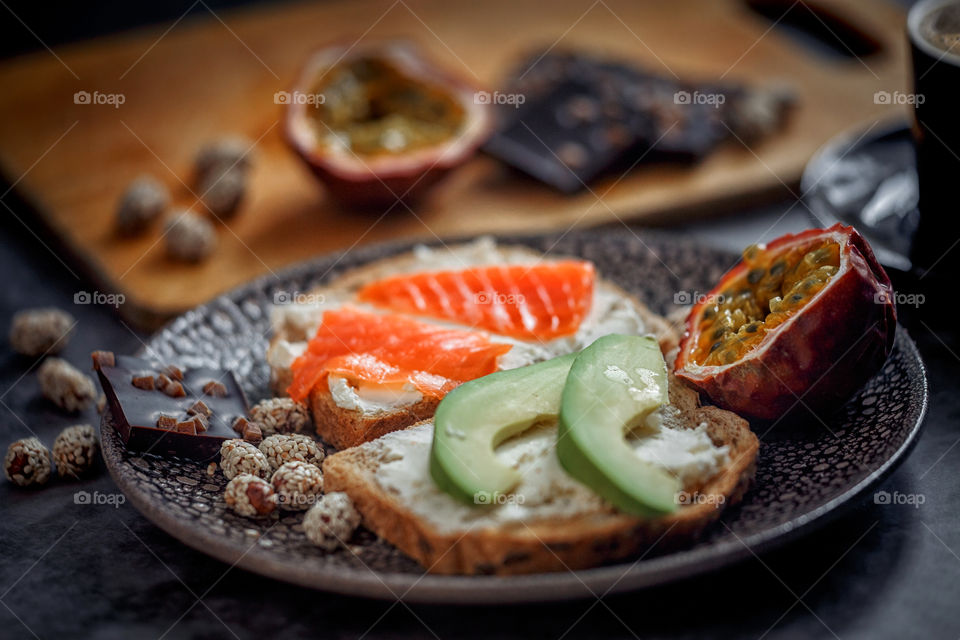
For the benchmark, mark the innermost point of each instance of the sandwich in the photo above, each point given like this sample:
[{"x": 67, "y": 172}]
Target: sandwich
[{"x": 504, "y": 306}]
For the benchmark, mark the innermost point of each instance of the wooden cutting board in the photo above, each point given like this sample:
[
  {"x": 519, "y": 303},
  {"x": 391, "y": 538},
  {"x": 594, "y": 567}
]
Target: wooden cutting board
[{"x": 208, "y": 75}]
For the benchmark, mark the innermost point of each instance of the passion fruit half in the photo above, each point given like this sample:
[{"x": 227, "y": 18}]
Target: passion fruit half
[
  {"x": 379, "y": 122},
  {"x": 803, "y": 321}
]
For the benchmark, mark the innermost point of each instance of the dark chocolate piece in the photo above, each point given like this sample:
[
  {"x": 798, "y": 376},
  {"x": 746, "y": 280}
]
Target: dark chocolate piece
[
  {"x": 140, "y": 414},
  {"x": 584, "y": 117}
]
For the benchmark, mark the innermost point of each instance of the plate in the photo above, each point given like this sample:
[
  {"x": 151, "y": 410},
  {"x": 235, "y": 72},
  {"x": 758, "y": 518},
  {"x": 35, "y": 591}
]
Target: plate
[{"x": 806, "y": 473}]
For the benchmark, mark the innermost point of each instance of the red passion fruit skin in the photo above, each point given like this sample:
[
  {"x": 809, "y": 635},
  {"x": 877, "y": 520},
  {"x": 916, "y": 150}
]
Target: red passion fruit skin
[
  {"x": 820, "y": 355},
  {"x": 376, "y": 181}
]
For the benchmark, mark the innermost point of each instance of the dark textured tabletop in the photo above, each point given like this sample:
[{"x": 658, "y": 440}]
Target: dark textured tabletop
[{"x": 101, "y": 570}]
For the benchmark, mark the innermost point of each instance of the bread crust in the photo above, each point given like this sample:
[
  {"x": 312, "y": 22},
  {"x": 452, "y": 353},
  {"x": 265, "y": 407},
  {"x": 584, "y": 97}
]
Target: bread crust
[
  {"x": 555, "y": 544},
  {"x": 344, "y": 428}
]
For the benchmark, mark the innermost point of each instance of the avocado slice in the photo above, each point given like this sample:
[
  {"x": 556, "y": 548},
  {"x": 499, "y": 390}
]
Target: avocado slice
[
  {"x": 613, "y": 385},
  {"x": 478, "y": 415}
]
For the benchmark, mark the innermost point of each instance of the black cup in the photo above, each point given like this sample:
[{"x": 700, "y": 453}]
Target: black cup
[{"x": 936, "y": 100}]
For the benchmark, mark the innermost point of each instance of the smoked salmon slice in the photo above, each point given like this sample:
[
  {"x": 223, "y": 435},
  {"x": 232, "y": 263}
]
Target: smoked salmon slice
[
  {"x": 530, "y": 302},
  {"x": 390, "y": 350}
]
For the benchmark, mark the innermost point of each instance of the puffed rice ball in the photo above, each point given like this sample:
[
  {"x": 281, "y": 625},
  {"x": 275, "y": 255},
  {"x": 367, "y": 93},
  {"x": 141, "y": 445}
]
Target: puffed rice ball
[
  {"x": 142, "y": 203},
  {"x": 65, "y": 386},
  {"x": 332, "y": 520},
  {"x": 297, "y": 484},
  {"x": 75, "y": 450},
  {"x": 189, "y": 237},
  {"x": 35, "y": 332},
  {"x": 238, "y": 456},
  {"x": 250, "y": 496},
  {"x": 287, "y": 448},
  {"x": 280, "y": 415},
  {"x": 27, "y": 462}
]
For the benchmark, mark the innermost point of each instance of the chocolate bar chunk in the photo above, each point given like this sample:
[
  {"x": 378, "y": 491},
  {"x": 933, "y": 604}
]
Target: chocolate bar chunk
[
  {"x": 152, "y": 421},
  {"x": 583, "y": 117}
]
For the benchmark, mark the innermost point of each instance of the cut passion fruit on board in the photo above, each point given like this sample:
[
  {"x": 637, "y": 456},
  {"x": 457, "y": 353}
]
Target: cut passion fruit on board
[
  {"x": 803, "y": 321},
  {"x": 378, "y": 123}
]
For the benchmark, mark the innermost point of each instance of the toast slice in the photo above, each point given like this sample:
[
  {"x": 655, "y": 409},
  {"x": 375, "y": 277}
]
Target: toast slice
[
  {"x": 573, "y": 529},
  {"x": 344, "y": 422}
]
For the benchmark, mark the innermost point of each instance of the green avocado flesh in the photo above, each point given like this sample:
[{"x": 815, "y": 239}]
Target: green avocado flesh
[
  {"x": 613, "y": 385},
  {"x": 478, "y": 415}
]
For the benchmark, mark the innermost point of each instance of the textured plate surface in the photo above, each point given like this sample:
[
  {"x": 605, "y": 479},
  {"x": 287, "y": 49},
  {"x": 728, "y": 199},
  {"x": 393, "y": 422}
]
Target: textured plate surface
[{"x": 805, "y": 473}]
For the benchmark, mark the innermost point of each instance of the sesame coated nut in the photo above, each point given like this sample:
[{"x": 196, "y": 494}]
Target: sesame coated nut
[
  {"x": 286, "y": 448},
  {"x": 250, "y": 495},
  {"x": 222, "y": 193},
  {"x": 27, "y": 463},
  {"x": 221, "y": 155},
  {"x": 331, "y": 521},
  {"x": 142, "y": 203},
  {"x": 35, "y": 332},
  {"x": 237, "y": 456},
  {"x": 75, "y": 450},
  {"x": 280, "y": 415},
  {"x": 189, "y": 237},
  {"x": 65, "y": 386},
  {"x": 298, "y": 485}
]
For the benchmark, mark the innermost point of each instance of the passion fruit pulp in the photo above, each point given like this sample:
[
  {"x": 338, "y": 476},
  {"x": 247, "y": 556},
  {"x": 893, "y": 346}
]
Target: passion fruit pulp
[
  {"x": 803, "y": 321},
  {"x": 378, "y": 122}
]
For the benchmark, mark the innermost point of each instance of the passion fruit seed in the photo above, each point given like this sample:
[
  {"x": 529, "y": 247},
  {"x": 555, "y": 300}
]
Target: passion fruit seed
[{"x": 769, "y": 295}]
